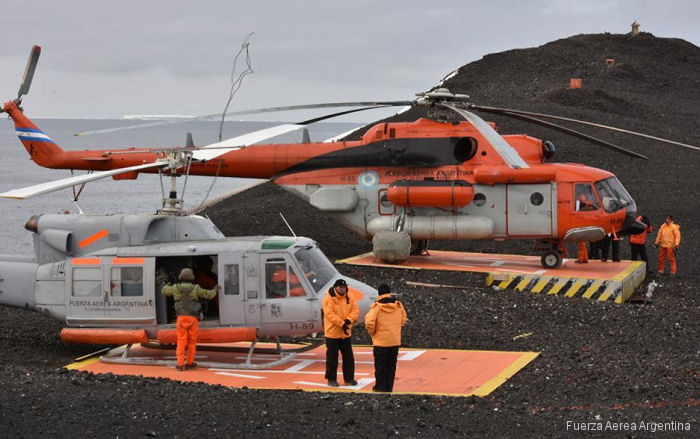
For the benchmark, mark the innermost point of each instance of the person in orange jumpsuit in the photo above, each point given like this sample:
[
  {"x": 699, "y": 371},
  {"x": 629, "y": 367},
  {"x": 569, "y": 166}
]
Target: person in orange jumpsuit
[
  {"x": 340, "y": 310},
  {"x": 668, "y": 238},
  {"x": 383, "y": 322},
  {"x": 187, "y": 307}
]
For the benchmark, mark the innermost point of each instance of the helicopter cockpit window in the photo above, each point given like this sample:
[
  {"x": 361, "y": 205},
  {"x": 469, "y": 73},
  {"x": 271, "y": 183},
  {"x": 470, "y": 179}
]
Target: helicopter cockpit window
[
  {"x": 126, "y": 281},
  {"x": 87, "y": 281},
  {"x": 316, "y": 266},
  {"x": 584, "y": 197},
  {"x": 613, "y": 195},
  {"x": 231, "y": 280}
]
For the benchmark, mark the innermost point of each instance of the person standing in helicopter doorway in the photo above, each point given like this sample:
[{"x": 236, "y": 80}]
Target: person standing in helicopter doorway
[
  {"x": 339, "y": 312},
  {"x": 187, "y": 307},
  {"x": 383, "y": 322}
]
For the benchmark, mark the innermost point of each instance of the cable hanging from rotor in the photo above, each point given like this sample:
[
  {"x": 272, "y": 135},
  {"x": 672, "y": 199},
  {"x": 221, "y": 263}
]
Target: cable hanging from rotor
[{"x": 236, "y": 84}]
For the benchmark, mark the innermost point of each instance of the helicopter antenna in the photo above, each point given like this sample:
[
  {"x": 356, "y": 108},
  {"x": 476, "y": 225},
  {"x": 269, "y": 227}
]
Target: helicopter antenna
[
  {"x": 290, "y": 227},
  {"x": 235, "y": 85}
]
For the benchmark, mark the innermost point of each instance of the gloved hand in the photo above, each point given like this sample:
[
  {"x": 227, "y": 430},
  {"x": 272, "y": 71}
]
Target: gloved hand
[
  {"x": 346, "y": 326},
  {"x": 675, "y": 250},
  {"x": 217, "y": 288},
  {"x": 656, "y": 246}
]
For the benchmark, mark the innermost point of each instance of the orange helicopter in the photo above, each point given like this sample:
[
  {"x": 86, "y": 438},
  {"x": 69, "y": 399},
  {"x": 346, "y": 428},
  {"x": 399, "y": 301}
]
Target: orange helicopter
[{"x": 448, "y": 177}]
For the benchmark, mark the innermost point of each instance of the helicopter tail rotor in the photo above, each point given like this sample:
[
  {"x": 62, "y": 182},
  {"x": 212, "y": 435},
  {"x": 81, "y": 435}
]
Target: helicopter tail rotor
[{"x": 29, "y": 71}]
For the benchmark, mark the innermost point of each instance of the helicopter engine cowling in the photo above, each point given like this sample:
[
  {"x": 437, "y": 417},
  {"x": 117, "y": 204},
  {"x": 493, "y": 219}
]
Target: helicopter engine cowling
[
  {"x": 430, "y": 193},
  {"x": 442, "y": 227}
]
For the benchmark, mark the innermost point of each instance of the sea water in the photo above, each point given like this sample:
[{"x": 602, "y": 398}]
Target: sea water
[{"x": 109, "y": 196}]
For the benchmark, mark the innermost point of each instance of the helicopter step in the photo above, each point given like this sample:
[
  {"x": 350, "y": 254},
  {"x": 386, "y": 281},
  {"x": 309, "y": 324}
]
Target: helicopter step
[{"x": 597, "y": 280}]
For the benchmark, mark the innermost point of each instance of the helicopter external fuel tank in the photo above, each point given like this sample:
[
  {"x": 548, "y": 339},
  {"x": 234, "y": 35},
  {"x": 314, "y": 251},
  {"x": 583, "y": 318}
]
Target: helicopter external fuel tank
[
  {"x": 445, "y": 227},
  {"x": 430, "y": 193}
]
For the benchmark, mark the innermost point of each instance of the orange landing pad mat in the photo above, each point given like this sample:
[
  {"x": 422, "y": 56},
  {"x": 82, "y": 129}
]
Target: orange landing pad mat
[
  {"x": 499, "y": 263},
  {"x": 418, "y": 371}
]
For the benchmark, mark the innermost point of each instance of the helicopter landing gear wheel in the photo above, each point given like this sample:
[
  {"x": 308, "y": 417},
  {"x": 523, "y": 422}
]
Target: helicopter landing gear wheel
[
  {"x": 419, "y": 247},
  {"x": 551, "y": 259}
]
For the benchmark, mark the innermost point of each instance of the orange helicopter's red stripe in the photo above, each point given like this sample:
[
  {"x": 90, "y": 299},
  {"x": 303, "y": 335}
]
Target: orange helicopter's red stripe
[
  {"x": 123, "y": 261},
  {"x": 86, "y": 261},
  {"x": 91, "y": 239}
]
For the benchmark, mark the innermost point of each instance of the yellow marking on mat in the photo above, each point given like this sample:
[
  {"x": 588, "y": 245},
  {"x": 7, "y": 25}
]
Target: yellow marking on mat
[
  {"x": 558, "y": 286},
  {"x": 575, "y": 287},
  {"x": 541, "y": 284},
  {"x": 592, "y": 289},
  {"x": 506, "y": 373},
  {"x": 627, "y": 271},
  {"x": 79, "y": 364}
]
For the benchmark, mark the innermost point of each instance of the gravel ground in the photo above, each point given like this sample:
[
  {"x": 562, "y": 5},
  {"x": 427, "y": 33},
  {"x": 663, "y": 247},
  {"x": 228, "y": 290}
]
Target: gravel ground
[{"x": 599, "y": 362}]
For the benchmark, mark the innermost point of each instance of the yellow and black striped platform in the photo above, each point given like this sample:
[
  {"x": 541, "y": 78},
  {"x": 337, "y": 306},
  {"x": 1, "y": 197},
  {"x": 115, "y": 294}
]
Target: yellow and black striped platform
[
  {"x": 618, "y": 288},
  {"x": 595, "y": 280}
]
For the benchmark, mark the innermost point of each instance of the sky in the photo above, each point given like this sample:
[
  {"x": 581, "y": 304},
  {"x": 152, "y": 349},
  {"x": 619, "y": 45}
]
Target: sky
[{"x": 109, "y": 59}]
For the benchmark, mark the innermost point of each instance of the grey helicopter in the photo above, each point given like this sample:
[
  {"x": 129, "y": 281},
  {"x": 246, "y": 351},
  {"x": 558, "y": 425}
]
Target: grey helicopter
[{"x": 102, "y": 275}]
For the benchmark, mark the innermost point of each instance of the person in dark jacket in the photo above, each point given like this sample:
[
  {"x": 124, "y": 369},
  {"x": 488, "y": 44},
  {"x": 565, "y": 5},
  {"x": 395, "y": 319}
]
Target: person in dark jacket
[
  {"x": 383, "y": 322},
  {"x": 340, "y": 310},
  {"x": 638, "y": 242},
  {"x": 187, "y": 307}
]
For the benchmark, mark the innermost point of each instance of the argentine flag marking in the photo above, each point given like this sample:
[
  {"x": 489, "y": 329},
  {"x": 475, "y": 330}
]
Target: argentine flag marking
[{"x": 31, "y": 134}]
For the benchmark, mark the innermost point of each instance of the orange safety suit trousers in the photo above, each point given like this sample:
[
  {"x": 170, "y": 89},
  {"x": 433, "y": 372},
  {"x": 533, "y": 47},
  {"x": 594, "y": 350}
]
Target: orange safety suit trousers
[
  {"x": 187, "y": 333},
  {"x": 671, "y": 255}
]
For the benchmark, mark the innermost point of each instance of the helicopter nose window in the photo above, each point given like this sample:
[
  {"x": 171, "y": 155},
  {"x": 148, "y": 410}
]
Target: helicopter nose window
[
  {"x": 479, "y": 199},
  {"x": 465, "y": 148}
]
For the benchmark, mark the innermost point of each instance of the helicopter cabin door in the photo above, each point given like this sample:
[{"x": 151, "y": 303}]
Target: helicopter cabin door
[
  {"x": 110, "y": 291},
  {"x": 286, "y": 302},
  {"x": 232, "y": 304},
  {"x": 529, "y": 209},
  {"x": 132, "y": 285}
]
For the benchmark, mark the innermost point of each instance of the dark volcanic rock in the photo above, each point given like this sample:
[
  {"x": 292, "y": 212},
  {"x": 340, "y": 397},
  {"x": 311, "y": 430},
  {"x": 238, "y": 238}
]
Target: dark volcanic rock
[{"x": 599, "y": 361}]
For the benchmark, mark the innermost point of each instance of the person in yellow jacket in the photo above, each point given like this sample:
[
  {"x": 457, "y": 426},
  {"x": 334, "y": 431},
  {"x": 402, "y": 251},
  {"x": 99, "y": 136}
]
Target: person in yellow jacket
[
  {"x": 187, "y": 307},
  {"x": 668, "y": 238},
  {"x": 383, "y": 322},
  {"x": 340, "y": 310}
]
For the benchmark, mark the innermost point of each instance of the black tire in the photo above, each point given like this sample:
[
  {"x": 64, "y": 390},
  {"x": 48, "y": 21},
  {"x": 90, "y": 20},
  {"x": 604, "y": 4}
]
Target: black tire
[{"x": 551, "y": 259}]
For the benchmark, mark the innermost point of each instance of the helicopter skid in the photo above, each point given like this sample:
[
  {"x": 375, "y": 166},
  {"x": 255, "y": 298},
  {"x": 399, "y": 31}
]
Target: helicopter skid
[{"x": 120, "y": 355}]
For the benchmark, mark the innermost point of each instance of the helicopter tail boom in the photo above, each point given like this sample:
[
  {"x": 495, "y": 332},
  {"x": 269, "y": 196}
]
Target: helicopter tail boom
[{"x": 41, "y": 148}]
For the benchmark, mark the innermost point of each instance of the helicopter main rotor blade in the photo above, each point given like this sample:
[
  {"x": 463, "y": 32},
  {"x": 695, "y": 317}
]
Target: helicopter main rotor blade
[
  {"x": 566, "y": 130},
  {"x": 44, "y": 188},
  {"x": 29, "y": 71},
  {"x": 583, "y": 122},
  {"x": 369, "y": 105}
]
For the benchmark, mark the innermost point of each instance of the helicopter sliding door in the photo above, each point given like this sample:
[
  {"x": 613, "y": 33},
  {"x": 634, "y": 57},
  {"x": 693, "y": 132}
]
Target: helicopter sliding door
[
  {"x": 110, "y": 291},
  {"x": 530, "y": 209},
  {"x": 131, "y": 291},
  {"x": 232, "y": 297}
]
